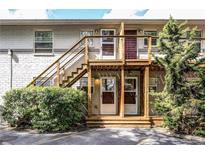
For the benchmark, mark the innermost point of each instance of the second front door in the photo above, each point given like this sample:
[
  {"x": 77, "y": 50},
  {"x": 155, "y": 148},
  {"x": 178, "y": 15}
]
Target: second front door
[
  {"x": 131, "y": 95},
  {"x": 130, "y": 45}
]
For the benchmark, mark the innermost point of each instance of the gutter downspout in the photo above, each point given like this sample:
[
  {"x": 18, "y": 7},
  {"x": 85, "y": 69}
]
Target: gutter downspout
[{"x": 10, "y": 52}]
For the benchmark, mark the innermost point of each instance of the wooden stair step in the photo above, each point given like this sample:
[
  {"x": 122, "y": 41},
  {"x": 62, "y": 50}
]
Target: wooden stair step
[
  {"x": 129, "y": 121},
  {"x": 75, "y": 72},
  {"x": 119, "y": 126},
  {"x": 118, "y": 122},
  {"x": 74, "y": 78},
  {"x": 119, "y": 118}
]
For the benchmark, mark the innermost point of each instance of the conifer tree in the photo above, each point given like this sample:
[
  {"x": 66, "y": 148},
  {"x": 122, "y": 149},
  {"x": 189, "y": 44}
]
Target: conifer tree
[{"x": 179, "y": 56}]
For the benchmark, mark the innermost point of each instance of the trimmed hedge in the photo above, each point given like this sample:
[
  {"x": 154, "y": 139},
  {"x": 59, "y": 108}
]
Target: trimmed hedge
[{"x": 48, "y": 109}]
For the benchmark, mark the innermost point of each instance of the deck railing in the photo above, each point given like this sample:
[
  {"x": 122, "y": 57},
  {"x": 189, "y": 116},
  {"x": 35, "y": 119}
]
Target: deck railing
[
  {"x": 53, "y": 74},
  {"x": 118, "y": 47},
  {"x": 97, "y": 48},
  {"x": 91, "y": 47}
]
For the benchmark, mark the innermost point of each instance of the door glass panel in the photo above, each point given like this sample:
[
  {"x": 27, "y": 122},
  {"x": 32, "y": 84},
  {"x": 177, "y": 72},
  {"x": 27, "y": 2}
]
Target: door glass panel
[
  {"x": 108, "y": 49},
  {"x": 107, "y": 33},
  {"x": 130, "y": 84},
  {"x": 108, "y": 43},
  {"x": 108, "y": 91},
  {"x": 130, "y": 91},
  {"x": 108, "y": 84}
]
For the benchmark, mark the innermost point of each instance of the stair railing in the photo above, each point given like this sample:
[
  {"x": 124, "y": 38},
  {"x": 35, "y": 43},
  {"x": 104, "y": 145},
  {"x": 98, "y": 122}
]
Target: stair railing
[{"x": 56, "y": 68}]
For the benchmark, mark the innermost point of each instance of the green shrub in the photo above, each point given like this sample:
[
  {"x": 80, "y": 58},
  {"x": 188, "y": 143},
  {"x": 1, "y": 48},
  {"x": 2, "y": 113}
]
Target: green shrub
[
  {"x": 188, "y": 118},
  {"x": 44, "y": 108}
]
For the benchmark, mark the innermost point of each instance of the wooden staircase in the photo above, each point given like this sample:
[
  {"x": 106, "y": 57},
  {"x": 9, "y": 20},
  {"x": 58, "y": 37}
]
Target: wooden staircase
[
  {"x": 66, "y": 70},
  {"x": 75, "y": 76}
]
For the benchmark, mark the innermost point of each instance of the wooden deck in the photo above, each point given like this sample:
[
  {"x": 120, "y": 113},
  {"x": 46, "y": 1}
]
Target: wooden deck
[{"x": 127, "y": 121}]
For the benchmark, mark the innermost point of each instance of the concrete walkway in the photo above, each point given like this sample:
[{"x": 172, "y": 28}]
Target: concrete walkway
[{"x": 101, "y": 136}]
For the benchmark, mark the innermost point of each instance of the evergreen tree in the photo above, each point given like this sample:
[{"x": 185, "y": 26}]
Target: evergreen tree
[{"x": 179, "y": 56}]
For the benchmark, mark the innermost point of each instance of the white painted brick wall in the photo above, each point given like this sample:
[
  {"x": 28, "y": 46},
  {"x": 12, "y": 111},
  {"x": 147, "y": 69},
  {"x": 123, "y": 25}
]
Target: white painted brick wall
[
  {"x": 4, "y": 74},
  {"x": 25, "y": 67}
]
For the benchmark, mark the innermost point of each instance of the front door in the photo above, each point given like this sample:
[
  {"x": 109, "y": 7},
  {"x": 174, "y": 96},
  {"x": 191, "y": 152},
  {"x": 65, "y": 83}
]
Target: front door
[
  {"x": 131, "y": 95},
  {"x": 130, "y": 45},
  {"x": 108, "y": 44},
  {"x": 108, "y": 95}
]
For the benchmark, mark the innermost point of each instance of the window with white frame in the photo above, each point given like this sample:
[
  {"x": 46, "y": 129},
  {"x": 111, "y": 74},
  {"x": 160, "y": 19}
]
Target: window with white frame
[
  {"x": 43, "y": 42},
  {"x": 44, "y": 81},
  {"x": 153, "y": 84},
  {"x": 150, "y": 33},
  {"x": 87, "y": 33},
  {"x": 84, "y": 84},
  {"x": 199, "y": 42}
]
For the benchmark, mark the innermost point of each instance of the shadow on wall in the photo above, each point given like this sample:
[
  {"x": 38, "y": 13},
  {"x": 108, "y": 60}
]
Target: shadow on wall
[{"x": 15, "y": 58}]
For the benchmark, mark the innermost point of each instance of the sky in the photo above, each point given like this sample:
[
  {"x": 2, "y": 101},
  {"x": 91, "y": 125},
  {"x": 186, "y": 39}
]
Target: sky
[{"x": 101, "y": 14}]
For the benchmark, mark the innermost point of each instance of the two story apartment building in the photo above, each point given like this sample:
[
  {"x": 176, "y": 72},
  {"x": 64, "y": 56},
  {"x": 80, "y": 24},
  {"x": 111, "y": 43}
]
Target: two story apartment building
[{"x": 110, "y": 59}]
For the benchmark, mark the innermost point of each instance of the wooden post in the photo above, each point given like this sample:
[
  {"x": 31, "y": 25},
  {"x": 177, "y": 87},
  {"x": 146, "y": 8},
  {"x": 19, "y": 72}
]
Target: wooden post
[
  {"x": 146, "y": 91},
  {"x": 89, "y": 91},
  {"x": 149, "y": 48},
  {"x": 86, "y": 50},
  {"x": 122, "y": 94},
  {"x": 58, "y": 74},
  {"x": 123, "y": 50},
  {"x": 122, "y": 57},
  {"x": 122, "y": 42}
]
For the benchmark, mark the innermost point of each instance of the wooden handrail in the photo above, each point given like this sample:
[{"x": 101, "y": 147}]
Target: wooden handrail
[
  {"x": 97, "y": 36},
  {"x": 86, "y": 50},
  {"x": 60, "y": 68},
  {"x": 72, "y": 57},
  {"x": 34, "y": 80},
  {"x": 118, "y": 36},
  {"x": 58, "y": 74},
  {"x": 139, "y": 36}
]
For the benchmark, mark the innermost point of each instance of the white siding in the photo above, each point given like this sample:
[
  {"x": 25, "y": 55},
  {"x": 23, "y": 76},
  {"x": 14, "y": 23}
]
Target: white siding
[
  {"x": 16, "y": 37},
  {"x": 4, "y": 74},
  {"x": 22, "y": 37},
  {"x": 25, "y": 67}
]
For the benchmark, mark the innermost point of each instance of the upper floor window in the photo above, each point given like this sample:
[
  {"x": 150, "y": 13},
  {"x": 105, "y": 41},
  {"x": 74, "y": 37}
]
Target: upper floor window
[
  {"x": 43, "y": 42},
  {"x": 198, "y": 41},
  {"x": 198, "y": 36},
  {"x": 87, "y": 33},
  {"x": 150, "y": 33}
]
